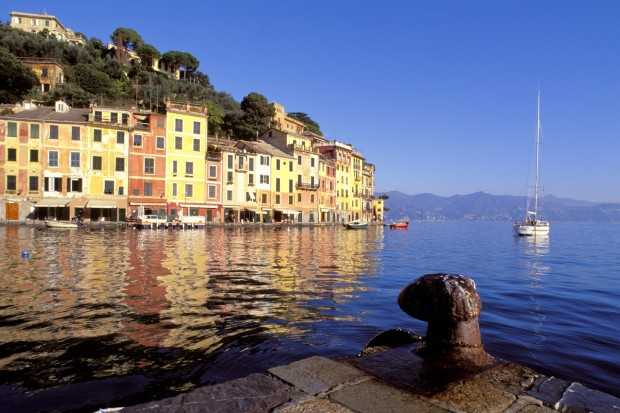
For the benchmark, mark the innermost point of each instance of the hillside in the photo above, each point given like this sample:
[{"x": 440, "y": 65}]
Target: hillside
[{"x": 484, "y": 206}]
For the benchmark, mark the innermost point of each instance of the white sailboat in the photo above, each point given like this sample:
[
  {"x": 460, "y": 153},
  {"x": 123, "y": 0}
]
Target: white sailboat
[{"x": 532, "y": 225}]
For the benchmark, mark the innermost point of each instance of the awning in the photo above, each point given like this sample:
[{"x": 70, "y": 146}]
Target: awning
[
  {"x": 198, "y": 206},
  {"x": 147, "y": 203},
  {"x": 101, "y": 204},
  {"x": 52, "y": 203},
  {"x": 289, "y": 212}
]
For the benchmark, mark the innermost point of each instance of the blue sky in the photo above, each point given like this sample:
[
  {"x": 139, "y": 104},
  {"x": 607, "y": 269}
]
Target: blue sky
[{"x": 440, "y": 95}]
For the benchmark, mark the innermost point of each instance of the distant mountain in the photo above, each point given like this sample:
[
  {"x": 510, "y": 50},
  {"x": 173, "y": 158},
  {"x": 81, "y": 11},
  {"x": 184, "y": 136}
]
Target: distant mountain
[{"x": 483, "y": 206}]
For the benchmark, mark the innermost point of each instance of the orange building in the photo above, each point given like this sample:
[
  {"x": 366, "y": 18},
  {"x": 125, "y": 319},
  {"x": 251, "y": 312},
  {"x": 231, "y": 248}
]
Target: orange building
[{"x": 147, "y": 165}]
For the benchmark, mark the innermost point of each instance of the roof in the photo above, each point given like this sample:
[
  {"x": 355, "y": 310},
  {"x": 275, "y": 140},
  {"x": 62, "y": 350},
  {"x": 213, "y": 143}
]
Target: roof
[
  {"x": 47, "y": 114},
  {"x": 38, "y": 15},
  {"x": 40, "y": 60},
  {"x": 265, "y": 148}
]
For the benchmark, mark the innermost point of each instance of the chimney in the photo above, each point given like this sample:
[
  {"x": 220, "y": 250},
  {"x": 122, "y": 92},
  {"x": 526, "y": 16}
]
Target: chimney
[{"x": 61, "y": 107}]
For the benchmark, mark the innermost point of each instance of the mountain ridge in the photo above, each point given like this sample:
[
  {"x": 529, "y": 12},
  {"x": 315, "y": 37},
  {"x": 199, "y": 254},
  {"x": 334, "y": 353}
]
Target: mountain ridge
[{"x": 486, "y": 206}]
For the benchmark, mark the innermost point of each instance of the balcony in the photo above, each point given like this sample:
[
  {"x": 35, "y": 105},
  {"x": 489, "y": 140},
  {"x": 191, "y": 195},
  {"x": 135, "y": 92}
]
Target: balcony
[
  {"x": 301, "y": 148},
  {"x": 307, "y": 186}
]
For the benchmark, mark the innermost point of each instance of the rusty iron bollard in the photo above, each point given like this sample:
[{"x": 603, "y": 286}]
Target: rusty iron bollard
[{"x": 451, "y": 306}]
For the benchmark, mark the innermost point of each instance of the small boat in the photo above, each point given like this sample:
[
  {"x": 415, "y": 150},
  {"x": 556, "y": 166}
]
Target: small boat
[
  {"x": 150, "y": 220},
  {"x": 399, "y": 225},
  {"x": 61, "y": 224},
  {"x": 356, "y": 225},
  {"x": 532, "y": 225}
]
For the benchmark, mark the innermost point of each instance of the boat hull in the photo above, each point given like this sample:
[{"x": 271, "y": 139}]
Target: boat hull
[
  {"x": 529, "y": 230},
  {"x": 399, "y": 225},
  {"x": 356, "y": 225},
  {"x": 61, "y": 224}
]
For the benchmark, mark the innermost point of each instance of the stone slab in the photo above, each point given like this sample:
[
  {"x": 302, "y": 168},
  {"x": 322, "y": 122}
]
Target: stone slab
[
  {"x": 548, "y": 389},
  {"x": 510, "y": 377},
  {"x": 580, "y": 399},
  {"x": 373, "y": 396},
  {"x": 316, "y": 374},
  {"x": 528, "y": 404},
  {"x": 313, "y": 406},
  {"x": 475, "y": 395},
  {"x": 256, "y": 393},
  {"x": 536, "y": 409}
]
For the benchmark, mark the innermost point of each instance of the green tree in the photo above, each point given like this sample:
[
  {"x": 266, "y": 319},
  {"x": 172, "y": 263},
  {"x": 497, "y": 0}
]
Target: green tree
[
  {"x": 126, "y": 38},
  {"x": 148, "y": 54},
  {"x": 311, "y": 125},
  {"x": 256, "y": 116},
  {"x": 92, "y": 80},
  {"x": 16, "y": 80},
  {"x": 186, "y": 62}
]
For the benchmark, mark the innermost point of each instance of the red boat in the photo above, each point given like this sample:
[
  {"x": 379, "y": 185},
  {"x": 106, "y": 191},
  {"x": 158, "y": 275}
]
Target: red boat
[{"x": 400, "y": 225}]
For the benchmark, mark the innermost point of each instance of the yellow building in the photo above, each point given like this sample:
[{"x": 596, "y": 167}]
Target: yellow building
[
  {"x": 305, "y": 171},
  {"x": 285, "y": 123},
  {"x": 36, "y": 23},
  {"x": 106, "y": 163},
  {"x": 341, "y": 154},
  {"x": 355, "y": 179},
  {"x": 378, "y": 206},
  {"x": 186, "y": 147},
  {"x": 368, "y": 190}
]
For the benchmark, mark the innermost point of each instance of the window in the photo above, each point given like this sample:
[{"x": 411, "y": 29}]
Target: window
[
  {"x": 34, "y": 155},
  {"x": 211, "y": 191},
  {"x": 120, "y": 137},
  {"x": 277, "y": 198},
  {"x": 277, "y": 164},
  {"x": 251, "y": 179},
  {"x": 189, "y": 168},
  {"x": 178, "y": 142},
  {"x": 11, "y": 183},
  {"x": 264, "y": 198},
  {"x": 11, "y": 154},
  {"x": 97, "y": 135},
  {"x": 230, "y": 161},
  {"x": 108, "y": 187},
  {"x": 241, "y": 162},
  {"x": 290, "y": 199},
  {"x": 197, "y": 128},
  {"x": 44, "y": 71},
  {"x": 75, "y": 133},
  {"x": 148, "y": 189},
  {"x": 135, "y": 192},
  {"x": 52, "y": 159},
  {"x": 75, "y": 159},
  {"x": 189, "y": 190},
  {"x": 76, "y": 185},
  {"x": 174, "y": 167},
  {"x": 312, "y": 199},
  {"x": 290, "y": 185},
  {"x": 178, "y": 125},
  {"x": 97, "y": 163},
  {"x": 120, "y": 164},
  {"x": 248, "y": 197},
  {"x": 298, "y": 179},
  {"x": 264, "y": 179},
  {"x": 312, "y": 181},
  {"x": 160, "y": 142},
  {"x": 277, "y": 184},
  {"x": 290, "y": 166},
  {"x": 312, "y": 162},
  {"x": 193, "y": 212},
  {"x": 229, "y": 195},
  {"x": 11, "y": 131},
  {"x": 121, "y": 191},
  {"x": 34, "y": 131},
  {"x": 125, "y": 117},
  {"x": 298, "y": 197},
  {"x": 212, "y": 171},
  {"x": 149, "y": 166},
  {"x": 251, "y": 166},
  {"x": 229, "y": 177},
  {"x": 114, "y": 117},
  {"x": 174, "y": 189},
  {"x": 53, "y": 131},
  {"x": 98, "y": 116},
  {"x": 197, "y": 145},
  {"x": 264, "y": 160},
  {"x": 299, "y": 160},
  {"x": 33, "y": 183}
]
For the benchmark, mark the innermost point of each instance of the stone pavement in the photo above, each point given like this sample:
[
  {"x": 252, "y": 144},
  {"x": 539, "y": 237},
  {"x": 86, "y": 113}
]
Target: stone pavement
[{"x": 395, "y": 380}]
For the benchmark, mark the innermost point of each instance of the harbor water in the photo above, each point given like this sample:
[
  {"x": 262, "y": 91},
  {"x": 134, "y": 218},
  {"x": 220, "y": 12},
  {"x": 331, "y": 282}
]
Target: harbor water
[{"x": 99, "y": 318}]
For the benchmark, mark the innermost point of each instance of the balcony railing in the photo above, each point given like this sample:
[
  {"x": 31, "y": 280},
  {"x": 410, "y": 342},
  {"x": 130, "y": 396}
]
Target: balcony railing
[{"x": 307, "y": 186}]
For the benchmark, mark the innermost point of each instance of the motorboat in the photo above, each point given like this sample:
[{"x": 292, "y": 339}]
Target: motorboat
[
  {"x": 61, "y": 224},
  {"x": 399, "y": 225},
  {"x": 356, "y": 225}
]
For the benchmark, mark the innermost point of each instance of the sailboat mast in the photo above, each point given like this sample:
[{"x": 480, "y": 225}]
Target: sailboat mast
[{"x": 537, "y": 155}]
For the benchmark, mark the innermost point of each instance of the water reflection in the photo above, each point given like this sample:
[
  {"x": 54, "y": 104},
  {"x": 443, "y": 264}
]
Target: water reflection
[{"x": 97, "y": 304}]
